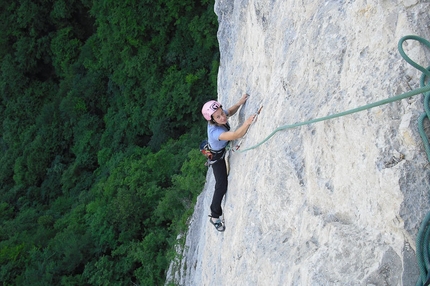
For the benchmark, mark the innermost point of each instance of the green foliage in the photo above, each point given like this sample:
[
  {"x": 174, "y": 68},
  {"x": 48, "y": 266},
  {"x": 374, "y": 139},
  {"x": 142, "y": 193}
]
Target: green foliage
[
  {"x": 65, "y": 48},
  {"x": 99, "y": 105}
]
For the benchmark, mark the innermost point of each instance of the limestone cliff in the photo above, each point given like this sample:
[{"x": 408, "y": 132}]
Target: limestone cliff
[{"x": 337, "y": 202}]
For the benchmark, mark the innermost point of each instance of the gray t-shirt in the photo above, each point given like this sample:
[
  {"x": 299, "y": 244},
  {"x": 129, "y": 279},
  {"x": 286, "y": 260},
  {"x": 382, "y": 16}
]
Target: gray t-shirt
[{"x": 214, "y": 131}]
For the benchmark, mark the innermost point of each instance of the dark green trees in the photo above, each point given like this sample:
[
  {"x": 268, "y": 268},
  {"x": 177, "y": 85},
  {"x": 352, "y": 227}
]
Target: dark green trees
[{"x": 100, "y": 124}]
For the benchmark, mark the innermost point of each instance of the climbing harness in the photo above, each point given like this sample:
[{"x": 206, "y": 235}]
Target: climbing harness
[{"x": 237, "y": 146}]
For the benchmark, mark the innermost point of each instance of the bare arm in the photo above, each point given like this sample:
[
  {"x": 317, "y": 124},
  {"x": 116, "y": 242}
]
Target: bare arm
[
  {"x": 233, "y": 135},
  {"x": 232, "y": 110}
]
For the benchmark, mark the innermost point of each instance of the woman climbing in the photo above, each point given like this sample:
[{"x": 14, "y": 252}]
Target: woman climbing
[{"x": 219, "y": 135}]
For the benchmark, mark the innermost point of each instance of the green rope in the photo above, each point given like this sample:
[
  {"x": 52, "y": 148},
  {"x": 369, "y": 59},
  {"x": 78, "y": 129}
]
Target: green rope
[
  {"x": 423, "y": 235},
  {"x": 355, "y": 110}
]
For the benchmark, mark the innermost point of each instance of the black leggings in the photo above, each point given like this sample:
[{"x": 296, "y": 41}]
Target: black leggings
[{"x": 220, "y": 173}]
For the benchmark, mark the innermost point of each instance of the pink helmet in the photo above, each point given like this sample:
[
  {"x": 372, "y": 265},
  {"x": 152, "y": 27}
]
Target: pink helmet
[{"x": 209, "y": 108}]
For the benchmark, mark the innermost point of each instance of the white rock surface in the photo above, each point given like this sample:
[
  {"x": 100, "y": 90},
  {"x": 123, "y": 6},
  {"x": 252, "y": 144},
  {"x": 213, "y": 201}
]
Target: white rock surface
[{"x": 337, "y": 202}]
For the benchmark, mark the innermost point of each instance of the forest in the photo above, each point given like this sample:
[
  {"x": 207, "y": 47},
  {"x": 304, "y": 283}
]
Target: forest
[{"x": 101, "y": 123}]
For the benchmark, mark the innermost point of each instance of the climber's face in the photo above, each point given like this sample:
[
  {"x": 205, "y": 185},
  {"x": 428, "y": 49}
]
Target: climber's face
[{"x": 219, "y": 116}]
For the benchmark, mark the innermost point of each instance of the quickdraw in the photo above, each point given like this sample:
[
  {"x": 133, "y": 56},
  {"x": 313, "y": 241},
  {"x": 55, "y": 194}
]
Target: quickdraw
[{"x": 237, "y": 146}]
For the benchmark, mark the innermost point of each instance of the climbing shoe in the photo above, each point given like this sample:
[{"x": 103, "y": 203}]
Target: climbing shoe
[{"x": 218, "y": 224}]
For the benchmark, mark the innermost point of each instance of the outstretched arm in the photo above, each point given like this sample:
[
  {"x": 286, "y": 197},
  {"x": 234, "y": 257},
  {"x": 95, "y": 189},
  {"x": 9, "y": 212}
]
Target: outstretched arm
[
  {"x": 232, "y": 110},
  {"x": 233, "y": 135}
]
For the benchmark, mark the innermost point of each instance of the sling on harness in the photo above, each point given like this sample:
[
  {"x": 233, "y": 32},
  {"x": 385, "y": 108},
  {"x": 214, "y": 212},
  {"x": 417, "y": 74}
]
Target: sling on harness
[{"x": 212, "y": 155}]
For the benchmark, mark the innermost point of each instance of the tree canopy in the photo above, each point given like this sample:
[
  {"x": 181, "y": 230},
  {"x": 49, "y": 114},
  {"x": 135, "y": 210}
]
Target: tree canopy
[{"x": 100, "y": 126}]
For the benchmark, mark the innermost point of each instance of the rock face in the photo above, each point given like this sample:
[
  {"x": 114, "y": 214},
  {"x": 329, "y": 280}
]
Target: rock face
[{"x": 337, "y": 202}]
